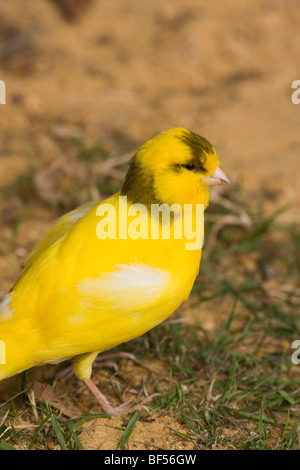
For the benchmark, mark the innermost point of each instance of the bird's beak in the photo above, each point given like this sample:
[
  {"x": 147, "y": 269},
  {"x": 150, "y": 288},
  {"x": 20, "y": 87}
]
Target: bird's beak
[{"x": 218, "y": 177}]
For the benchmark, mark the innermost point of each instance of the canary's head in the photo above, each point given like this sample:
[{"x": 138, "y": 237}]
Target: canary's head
[{"x": 177, "y": 166}]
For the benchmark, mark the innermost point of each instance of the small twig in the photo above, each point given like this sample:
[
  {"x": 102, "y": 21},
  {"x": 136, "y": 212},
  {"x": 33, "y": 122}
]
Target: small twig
[
  {"x": 2, "y": 422},
  {"x": 31, "y": 398},
  {"x": 106, "y": 166}
]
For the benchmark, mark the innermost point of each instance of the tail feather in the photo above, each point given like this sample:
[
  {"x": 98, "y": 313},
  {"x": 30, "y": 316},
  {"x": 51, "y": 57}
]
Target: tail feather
[
  {"x": 16, "y": 349},
  {"x": 12, "y": 358}
]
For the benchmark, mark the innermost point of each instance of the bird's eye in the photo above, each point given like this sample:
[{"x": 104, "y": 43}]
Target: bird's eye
[{"x": 189, "y": 167}]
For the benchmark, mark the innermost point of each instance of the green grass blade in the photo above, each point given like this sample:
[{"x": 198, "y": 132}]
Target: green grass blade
[{"x": 128, "y": 431}]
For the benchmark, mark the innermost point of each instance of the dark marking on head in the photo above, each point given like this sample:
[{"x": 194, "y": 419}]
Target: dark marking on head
[
  {"x": 200, "y": 147},
  {"x": 138, "y": 185}
]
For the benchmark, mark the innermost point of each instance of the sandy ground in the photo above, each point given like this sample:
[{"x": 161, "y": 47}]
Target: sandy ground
[{"x": 123, "y": 72}]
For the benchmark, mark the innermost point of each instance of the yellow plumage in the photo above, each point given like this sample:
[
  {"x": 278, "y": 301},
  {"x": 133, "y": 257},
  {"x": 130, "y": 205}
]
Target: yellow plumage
[{"x": 79, "y": 295}]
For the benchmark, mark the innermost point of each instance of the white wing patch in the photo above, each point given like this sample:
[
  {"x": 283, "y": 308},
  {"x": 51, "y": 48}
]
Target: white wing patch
[
  {"x": 127, "y": 288},
  {"x": 136, "y": 276},
  {"x": 6, "y": 311},
  {"x": 80, "y": 212}
]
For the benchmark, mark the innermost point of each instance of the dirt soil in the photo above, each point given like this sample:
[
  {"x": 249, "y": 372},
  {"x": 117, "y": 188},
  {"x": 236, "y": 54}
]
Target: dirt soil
[{"x": 120, "y": 73}]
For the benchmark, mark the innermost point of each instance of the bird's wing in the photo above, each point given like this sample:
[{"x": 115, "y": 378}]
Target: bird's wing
[
  {"x": 57, "y": 232},
  {"x": 120, "y": 305},
  {"x": 126, "y": 288}
]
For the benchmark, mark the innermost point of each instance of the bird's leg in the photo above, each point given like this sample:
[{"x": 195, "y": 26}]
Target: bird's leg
[
  {"x": 119, "y": 410},
  {"x": 101, "y": 361},
  {"x": 82, "y": 366}
]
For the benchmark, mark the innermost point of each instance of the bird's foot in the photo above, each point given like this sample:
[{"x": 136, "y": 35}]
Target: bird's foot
[{"x": 121, "y": 410}]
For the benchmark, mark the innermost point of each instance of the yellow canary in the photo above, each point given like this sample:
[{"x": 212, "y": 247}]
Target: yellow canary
[{"x": 102, "y": 275}]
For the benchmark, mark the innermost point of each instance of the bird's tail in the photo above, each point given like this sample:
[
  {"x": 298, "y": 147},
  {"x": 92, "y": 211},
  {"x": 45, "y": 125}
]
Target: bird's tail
[{"x": 16, "y": 350}]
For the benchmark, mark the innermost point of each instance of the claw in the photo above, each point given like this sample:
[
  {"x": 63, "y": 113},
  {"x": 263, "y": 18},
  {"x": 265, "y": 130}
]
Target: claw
[{"x": 119, "y": 410}]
